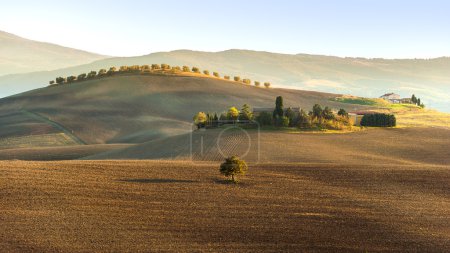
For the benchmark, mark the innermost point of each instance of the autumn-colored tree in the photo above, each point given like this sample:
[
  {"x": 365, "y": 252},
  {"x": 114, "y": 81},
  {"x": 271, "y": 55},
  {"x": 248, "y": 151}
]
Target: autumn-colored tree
[
  {"x": 233, "y": 113},
  {"x": 246, "y": 81},
  {"x": 226, "y": 77},
  {"x": 233, "y": 166},
  {"x": 200, "y": 119},
  {"x": 237, "y": 78},
  {"x": 216, "y": 74},
  {"x": 186, "y": 69}
]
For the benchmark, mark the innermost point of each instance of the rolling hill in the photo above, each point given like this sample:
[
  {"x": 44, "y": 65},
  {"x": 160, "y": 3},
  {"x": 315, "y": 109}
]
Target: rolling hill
[
  {"x": 19, "y": 55},
  {"x": 136, "y": 108},
  {"x": 427, "y": 78}
]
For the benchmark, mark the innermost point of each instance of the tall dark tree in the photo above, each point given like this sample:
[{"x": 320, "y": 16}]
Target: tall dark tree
[
  {"x": 342, "y": 113},
  {"x": 414, "y": 99},
  {"x": 317, "y": 111},
  {"x": 279, "y": 111}
]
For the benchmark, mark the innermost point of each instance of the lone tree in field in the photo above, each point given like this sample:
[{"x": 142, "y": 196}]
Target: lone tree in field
[{"x": 232, "y": 167}]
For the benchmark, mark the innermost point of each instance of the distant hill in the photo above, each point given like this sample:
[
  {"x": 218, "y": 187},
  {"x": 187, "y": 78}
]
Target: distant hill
[
  {"x": 19, "y": 55},
  {"x": 135, "y": 108},
  {"x": 428, "y": 79}
]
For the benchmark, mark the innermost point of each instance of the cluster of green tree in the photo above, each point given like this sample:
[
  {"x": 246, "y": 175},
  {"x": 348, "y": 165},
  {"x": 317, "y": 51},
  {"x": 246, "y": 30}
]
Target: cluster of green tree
[
  {"x": 233, "y": 115},
  {"x": 379, "y": 120},
  {"x": 154, "y": 68},
  {"x": 318, "y": 117},
  {"x": 415, "y": 100}
]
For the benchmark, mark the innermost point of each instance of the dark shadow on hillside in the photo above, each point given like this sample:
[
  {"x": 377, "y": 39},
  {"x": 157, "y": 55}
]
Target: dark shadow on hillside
[{"x": 155, "y": 180}]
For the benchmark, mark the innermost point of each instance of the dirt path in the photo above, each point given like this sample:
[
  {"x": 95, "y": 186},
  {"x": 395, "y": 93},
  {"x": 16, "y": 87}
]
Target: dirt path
[{"x": 54, "y": 124}]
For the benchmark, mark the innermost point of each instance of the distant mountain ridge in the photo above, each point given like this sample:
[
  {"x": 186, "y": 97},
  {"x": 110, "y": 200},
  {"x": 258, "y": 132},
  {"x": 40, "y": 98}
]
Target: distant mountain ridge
[
  {"x": 20, "y": 55},
  {"x": 427, "y": 78}
]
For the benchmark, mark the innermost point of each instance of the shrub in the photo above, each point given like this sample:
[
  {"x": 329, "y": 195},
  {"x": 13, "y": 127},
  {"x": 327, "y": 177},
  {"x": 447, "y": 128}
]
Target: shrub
[
  {"x": 257, "y": 84},
  {"x": 237, "y": 78},
  {"x": 226, "y": 77},
  {"x": 267, "y": 84},
  {"x": 206, "y": 72},
  {"x": 379, "y": 120},
  {"x": 216, "y": 74},
  {"x": 233, "y": 166},
  {"x": 264, "y": 119},
  {"x": 52, "y": 82}
]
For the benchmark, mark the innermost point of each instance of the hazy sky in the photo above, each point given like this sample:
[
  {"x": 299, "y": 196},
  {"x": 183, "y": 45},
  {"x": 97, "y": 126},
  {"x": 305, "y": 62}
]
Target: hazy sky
[{"x": 368, "y": 28}]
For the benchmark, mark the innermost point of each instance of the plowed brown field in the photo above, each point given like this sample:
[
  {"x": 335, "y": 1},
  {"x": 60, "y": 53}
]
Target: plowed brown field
[{"x": 85, "y": 206}]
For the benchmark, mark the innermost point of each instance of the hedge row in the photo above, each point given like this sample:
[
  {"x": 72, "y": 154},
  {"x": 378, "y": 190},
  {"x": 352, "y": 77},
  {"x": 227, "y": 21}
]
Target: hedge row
[{"x": 379, "y": 120}]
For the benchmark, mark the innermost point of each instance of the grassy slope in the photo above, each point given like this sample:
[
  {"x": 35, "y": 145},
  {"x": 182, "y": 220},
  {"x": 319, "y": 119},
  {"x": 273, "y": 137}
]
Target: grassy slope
[
  {"x": 117, "y": 206},
  {"x": 138, "y": 108}
]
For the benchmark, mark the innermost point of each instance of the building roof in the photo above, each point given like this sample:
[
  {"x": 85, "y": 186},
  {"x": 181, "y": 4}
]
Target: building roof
[{"x": 390, "y": 94}]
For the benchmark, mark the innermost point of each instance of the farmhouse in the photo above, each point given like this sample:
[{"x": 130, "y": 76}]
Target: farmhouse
[
  {"x": 395, "y": 99},
  {"x": 391, "y": 97}
]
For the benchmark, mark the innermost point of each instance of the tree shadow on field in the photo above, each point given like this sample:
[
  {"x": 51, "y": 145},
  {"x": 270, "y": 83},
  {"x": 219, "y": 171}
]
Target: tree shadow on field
[
  {"x": 155, "y": 180},
  {"x": 231, "y": 183}
]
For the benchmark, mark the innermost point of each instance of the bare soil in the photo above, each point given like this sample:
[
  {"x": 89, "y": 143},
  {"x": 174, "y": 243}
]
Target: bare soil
[{"x": 180, "y": 206}]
